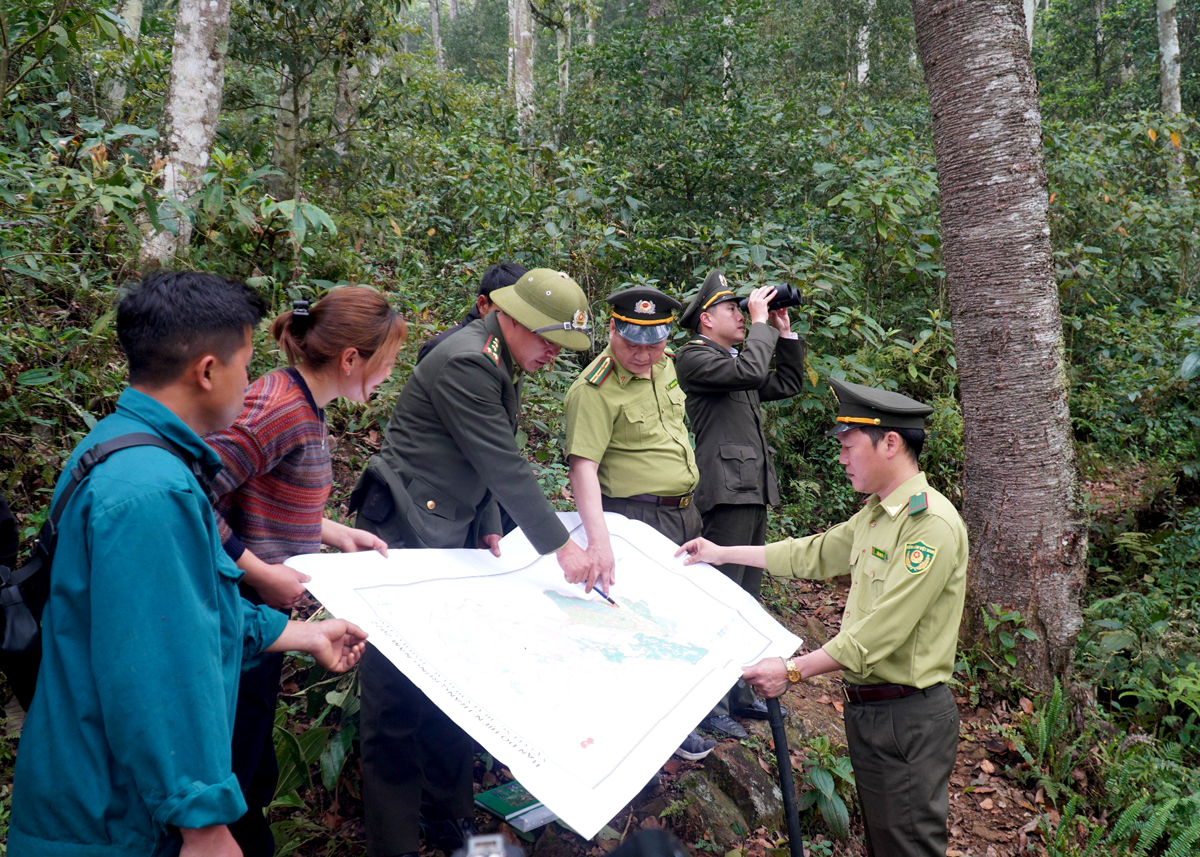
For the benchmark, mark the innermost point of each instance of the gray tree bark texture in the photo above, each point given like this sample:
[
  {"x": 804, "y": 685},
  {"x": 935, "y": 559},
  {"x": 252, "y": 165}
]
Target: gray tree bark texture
[
  {"x": 1030, "y": 7},
  {"x": 452, "y": 7},
  {"x": 294, "y": 99},
  {"x": 190, "y": 114},
  {"x": 523, "y": 84},
  {"x": 1168, "y": 57},
  {"x": 345, "y": 105},
  {"x": 114, "y": 96},
  {"x": 1021, "y": 496},
  {"x": 435, "y": 34},
  {"x": 562, "y": 42}
]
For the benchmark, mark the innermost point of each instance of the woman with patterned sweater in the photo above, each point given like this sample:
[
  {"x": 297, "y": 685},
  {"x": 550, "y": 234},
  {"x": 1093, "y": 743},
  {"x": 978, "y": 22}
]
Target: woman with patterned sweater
[{"x": 273, "y": 490}]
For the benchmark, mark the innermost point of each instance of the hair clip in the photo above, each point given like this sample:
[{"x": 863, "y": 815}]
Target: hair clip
[
  {"x": 300, "y": 317},
  {"x": 300, "y": 307}
]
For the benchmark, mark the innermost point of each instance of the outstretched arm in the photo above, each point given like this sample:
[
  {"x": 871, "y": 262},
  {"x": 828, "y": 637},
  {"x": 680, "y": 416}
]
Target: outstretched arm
[{"x": 585, "y": 486}]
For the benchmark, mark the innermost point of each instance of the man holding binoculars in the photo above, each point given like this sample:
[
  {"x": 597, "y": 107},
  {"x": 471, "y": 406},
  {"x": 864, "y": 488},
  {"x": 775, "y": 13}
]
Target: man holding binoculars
[{"x": 725, "y": 370}]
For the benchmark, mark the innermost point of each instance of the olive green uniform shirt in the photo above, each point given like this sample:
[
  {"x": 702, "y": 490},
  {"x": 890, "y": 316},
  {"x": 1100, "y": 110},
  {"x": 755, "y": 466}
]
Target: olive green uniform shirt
[
  {"x": 633, "y": 427},
  {"x": 907, "y": 560}
]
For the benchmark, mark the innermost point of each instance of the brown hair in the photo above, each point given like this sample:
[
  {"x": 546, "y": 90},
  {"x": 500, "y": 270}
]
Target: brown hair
[{"x": 347, "y": 317}]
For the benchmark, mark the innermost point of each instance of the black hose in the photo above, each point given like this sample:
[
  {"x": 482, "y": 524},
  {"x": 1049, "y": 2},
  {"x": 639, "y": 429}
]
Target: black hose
[{"x": 783, "y": 762}]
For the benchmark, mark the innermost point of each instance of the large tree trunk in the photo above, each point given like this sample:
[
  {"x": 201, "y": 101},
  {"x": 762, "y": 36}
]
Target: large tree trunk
[
  {"x": 452, "y": 6},
  {"x": 1021, "y": 503},
  {"x": 294, "y": 98},
  {"x": 1168, "y": 57},
  {"x": 523, "y": 65},
  {"x": 114, "y": 96},
  {"x": 435, "y": 34},
  {"x": 591, "y": 28},
  {"x": 190, "y": 115}
]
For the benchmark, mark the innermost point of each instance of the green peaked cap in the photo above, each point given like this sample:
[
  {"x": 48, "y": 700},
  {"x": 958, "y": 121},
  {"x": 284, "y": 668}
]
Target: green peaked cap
[
  {"x": 860, "y": 405},
  {"x": 551, "y": 305}
]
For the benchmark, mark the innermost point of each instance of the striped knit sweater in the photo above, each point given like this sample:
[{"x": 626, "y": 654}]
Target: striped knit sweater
[{"x": 276, "y": 476}]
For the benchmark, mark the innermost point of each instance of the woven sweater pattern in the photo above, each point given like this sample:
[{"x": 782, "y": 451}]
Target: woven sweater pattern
[{"x": 276, "y": 477}]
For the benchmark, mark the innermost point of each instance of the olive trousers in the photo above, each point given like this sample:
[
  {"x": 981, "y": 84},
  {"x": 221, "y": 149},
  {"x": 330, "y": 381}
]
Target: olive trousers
[{"x": 903, "y": 751}]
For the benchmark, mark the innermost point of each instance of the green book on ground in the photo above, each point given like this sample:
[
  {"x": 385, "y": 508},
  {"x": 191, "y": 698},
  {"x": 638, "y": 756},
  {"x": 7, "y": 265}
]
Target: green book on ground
[{"x": 507, "y": 801}]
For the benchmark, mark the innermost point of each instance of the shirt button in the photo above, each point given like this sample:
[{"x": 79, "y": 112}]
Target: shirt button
[
  {"x": 872, "y": 523},
  {"x": 430, "y": 505}
]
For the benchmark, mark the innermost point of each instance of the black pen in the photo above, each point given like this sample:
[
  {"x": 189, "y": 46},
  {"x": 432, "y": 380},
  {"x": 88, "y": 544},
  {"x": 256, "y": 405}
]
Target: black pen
[{"x": 604, "y": 595}]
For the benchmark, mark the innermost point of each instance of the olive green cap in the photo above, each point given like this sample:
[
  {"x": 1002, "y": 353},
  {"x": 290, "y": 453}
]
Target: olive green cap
[
  {"x": 860, "y": 405},
  {"x": 551, "y": 305},
  {"x": 714, "y": 291}
]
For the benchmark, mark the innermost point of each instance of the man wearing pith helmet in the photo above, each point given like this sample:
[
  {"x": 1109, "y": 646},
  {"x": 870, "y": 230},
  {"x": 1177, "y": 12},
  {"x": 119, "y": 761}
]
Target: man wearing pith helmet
[
  {"x": 906, "y": 554},
  {"x": 448, "y": 457},
  {"x": 627, "y": 444}
]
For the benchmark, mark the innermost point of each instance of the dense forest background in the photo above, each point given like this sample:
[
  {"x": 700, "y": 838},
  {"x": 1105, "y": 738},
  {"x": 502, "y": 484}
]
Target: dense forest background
[{"x": 633, "y": 142}]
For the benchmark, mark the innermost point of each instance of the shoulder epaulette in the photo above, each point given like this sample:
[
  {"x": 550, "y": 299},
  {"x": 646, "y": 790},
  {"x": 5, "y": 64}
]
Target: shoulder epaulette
[
  {"x": 600, "y": 372},
  {"x": 492, "y": 349},
  {"x": 670, "y": 352},
  {"x": 917, "y": 504}
]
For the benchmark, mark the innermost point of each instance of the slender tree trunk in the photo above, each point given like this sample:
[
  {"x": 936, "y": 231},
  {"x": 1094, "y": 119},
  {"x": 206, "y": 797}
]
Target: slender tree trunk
[
  {"x": 452, "y": 6},
  {"x": 1028, "y": 538},
  {"x": 1098, "y": 41},
  {"x": 114, "y": 96},
  {"x": 862, "y": 43},
  {"x": 190, "y": 115},
  {"x": 591, "y": 29},
  {"x": 523, "y": 67},
  {"x": 562, "y": 41},
  {"x": 512, "y": 44},
  {"x": 1168, "y": 57},
  {"x": 435, "y": 34},
  {"x": 345, "y": 105},
  {"x": 294, "y": 97},
  {"x": 1030, "y": 10}
]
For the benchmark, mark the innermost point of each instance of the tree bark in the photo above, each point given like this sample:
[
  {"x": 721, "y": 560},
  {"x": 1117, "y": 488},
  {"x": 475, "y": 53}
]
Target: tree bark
[
  {"x": 114, "y": 96},
  {"x": 1030, "y": 7},
  {"x": 512, "y": 44},
  {"x": 190, "y": 115},
  {"x": 452, "y": 7},
  {"x": 345, "y": 105},
  {"x": 862, "y": 44},
  {"x": 435, "y": 34},
  {"x": 1168, "y": 57},
  {"x": 562, "y": 41},
  {"x": 591, "y": 29},
  {"x": 294, "y": 97},
  {"x": 523, "y": 90},
  {"x": 1021, "y": 497}
]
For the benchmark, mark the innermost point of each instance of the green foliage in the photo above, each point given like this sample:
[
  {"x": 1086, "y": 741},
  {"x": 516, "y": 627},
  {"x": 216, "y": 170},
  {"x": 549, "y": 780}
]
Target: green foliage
[
  {"x": 826, "y": 784},
  {"x": 1050, "y": 744}
]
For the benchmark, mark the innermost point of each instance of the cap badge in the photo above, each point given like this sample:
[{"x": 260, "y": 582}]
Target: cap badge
[
  {"x": 723, "y": 283},
  {"x": 644, "y": 307},
  {"x": 580, "y": 318}
]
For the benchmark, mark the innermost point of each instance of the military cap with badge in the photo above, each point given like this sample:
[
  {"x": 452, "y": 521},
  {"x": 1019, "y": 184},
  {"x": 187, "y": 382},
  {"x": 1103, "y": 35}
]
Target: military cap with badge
[
  {"x": 550, "y": 304},
  {"x": 643, "y": 315},
  {"x": 713, "y": 292}
]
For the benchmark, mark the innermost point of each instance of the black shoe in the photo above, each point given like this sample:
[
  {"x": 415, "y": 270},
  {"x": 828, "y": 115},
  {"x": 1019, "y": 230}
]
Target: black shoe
[
  {"x": 448, "y": 834},
  {"x": 755, "y": 711},
  {"x": 725, "y": 726},
  {"x": 694, "y": 748}
]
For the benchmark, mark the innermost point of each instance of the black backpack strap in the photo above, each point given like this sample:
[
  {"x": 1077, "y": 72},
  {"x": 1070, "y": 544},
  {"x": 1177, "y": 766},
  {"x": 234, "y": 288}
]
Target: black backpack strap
[{"x": 48, "y": 535}]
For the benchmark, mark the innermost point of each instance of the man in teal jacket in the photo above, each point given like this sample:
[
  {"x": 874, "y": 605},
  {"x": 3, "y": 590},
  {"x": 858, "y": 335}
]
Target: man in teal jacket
[{"x": 126, "y": 748}]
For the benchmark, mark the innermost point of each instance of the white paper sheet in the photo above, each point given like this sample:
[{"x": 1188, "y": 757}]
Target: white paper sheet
[{"x": 582, "y": 702}]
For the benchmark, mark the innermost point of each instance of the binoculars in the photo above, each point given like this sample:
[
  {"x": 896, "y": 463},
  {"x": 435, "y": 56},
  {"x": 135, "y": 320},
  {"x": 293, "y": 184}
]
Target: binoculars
[{"x": 785, "y": 296}]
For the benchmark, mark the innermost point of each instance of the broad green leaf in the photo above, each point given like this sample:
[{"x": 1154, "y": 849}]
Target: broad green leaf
[
  {"x": 1191, "y": 366},
  {"x": 38, "y": 377},
  {"x": 822, "y": 780}
]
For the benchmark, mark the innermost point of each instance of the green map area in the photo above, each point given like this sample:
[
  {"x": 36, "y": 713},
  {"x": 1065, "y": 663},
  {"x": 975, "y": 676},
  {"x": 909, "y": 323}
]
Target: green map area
[{"x": 632, "y": 632}]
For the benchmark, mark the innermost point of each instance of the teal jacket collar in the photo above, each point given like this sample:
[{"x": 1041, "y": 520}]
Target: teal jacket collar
[{"x": 159, "y": 419}]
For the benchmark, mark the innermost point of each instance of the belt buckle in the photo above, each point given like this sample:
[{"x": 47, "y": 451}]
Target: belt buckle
[{"x": 684, "y": 502}]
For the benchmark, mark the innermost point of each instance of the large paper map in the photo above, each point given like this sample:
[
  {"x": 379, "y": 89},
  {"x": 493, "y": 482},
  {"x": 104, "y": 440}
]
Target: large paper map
[{"x": 582, "y": 701}]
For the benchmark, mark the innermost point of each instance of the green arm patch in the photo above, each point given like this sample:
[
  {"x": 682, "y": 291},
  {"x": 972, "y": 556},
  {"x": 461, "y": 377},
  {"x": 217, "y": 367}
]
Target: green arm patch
[
  {"x": 492, "y": 349},
  {"x": 600, "y": 374},
  {"x": 917, "y": 504},
  {"x": 918, "y": 557}
]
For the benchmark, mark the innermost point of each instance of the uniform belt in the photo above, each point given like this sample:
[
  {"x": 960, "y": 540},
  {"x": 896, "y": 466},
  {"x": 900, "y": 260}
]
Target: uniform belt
[
  {"x": 880, "y": 692},
  {"x": 654, "y": 500}
]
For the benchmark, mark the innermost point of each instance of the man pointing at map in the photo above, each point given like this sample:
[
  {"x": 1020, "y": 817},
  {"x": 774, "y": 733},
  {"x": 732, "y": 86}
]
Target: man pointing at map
[
  {"x": 449, "y": 456},
  {"x": 906, "y": 554}
]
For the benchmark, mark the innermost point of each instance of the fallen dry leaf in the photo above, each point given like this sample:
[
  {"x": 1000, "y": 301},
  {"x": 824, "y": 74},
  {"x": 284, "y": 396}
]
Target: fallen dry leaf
[
  {"x": 987, "y": 767},
  {"x": 1026, "y": 705}
]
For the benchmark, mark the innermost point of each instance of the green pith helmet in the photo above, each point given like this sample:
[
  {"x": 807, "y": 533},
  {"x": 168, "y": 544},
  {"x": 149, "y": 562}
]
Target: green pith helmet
[
  {"x": 551, "y": 305},
  {"x": 859, "y": 405}
]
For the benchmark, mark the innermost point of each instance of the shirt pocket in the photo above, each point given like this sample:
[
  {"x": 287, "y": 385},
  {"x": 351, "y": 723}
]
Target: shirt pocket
[
  {"x": 633, "y": 423},
  {"x": 869, "y": 573},
  {"x": 676, "y": 402},
  {"x": 741, "y": 465}
]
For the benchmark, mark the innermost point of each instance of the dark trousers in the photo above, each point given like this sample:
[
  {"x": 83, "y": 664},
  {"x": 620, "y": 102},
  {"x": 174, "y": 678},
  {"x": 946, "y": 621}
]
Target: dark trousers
[
  {"x": 903, "y": 752},
  {"x": 738, "y": 524},
  {"x": 678, "y": 525},
  {"x": 414, "y": 759},
  {"x": 254, "y": 760}
]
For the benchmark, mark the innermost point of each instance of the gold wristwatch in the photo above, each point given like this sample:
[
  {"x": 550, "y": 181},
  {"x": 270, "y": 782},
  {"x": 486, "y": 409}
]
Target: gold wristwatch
[{"x": 793, "y": 671}]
